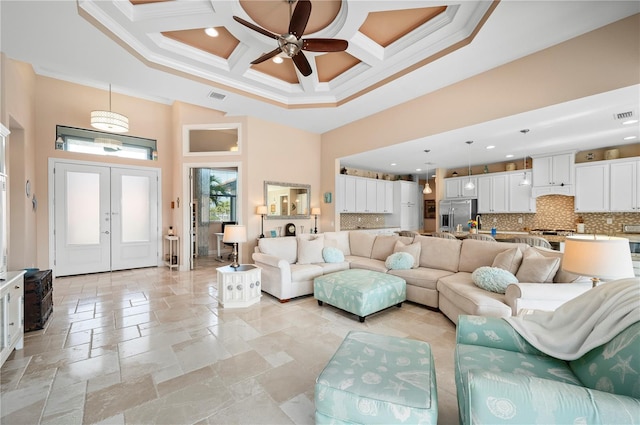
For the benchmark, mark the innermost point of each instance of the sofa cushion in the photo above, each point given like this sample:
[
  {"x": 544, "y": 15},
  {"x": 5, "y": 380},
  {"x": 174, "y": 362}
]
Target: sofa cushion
[
  {"x": 333, "y": 267},
  {"x": 361, "y": 243},
  {"x": 421, "y": 277},
  {"x": 476, "y": 253},
  {"x": 310, "y": 250},
  {"x": 305, "y": 272},
  {"x": 536, "y": 268},
  {"x": 493, "y": 279},
  {"x": 439, "y": 253},
  {"x": 367, "y": 264},
  {"x": 509, "y": 260},
  {"x": 284, "y": 248},
  {"x": 383, "y": 246},
  {"x": 460, "y": 289},
  {"x": 561, "y": 276},
  {"x": 413, "y": 249},
  {"x": 338, "y": 240},
  {"x": 399, "y": 261},
  {"x": 332, "y": 255}
]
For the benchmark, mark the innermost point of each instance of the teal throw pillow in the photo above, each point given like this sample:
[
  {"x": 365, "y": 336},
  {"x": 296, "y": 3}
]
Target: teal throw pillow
[
  {"x": 399, "y": 261},
  {"x": 493, "y": 279},
  {"x": 332, "y": 255}
]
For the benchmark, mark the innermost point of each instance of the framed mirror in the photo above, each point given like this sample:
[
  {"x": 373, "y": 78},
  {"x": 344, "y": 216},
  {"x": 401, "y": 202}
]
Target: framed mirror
[{"x": 287, "y": 200}]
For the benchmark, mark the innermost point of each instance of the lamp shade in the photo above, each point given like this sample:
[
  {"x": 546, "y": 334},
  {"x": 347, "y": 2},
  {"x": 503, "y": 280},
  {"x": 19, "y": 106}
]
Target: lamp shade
[
  {"x": 598, "y": 256},
  {"x": 109, "y": 121},
  {"x": 234, "y": 233},
  {"x": 315, "y": 211},
  {"x": 261, "y": 210}
]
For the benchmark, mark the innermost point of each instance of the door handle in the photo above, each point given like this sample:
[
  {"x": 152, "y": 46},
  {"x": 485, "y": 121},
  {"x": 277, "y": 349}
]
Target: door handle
[{"x": 106, "y": 232}]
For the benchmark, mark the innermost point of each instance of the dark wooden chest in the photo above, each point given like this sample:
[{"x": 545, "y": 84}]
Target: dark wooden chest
[{"x": 38, "y": 300}]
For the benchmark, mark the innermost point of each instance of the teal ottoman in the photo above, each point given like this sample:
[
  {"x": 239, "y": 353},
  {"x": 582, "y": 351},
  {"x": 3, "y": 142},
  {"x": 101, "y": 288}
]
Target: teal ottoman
[
  {"x": 378, "y": 379},
  {"x": 361, "y": 292}
]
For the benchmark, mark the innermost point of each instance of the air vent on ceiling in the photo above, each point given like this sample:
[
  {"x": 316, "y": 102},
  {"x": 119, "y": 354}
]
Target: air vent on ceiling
[
  {"x": 217, "y": 96},
  {"x": 623, "y": 115}
]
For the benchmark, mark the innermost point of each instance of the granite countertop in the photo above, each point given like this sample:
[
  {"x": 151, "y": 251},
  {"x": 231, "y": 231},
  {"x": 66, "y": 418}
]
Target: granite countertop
[{"x": 507, "y": 234}]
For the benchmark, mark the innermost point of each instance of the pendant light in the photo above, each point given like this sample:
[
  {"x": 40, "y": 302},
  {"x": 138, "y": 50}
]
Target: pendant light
[
  {"x": 427, "y": 189},
  {"x": 525, "y": 181},
  {"x": 469, "y": 185},
  {"x": 108, "y": 120}
]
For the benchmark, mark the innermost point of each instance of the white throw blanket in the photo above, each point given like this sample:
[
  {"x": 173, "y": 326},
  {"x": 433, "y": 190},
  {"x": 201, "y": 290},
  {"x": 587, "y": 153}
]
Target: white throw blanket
[{"x": 583, "y": 323}]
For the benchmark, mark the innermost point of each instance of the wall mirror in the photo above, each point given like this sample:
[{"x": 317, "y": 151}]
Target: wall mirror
[
  {"x": 287, "y": 200},
  {"x": 218, "y": 139}
]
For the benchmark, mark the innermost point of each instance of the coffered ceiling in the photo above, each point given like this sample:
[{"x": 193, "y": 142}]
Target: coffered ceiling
[{"x": 398, "y": 50}]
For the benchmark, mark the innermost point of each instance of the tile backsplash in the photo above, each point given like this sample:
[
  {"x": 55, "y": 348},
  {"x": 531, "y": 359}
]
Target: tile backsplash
[
  {"x": 366, "y": 221},
  {"x": 557, "y": 212}
]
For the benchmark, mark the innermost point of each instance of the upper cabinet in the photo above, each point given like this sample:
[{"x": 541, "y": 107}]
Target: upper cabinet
[
  {"x": 605, "y": 186},
  {"x": 493, "y": 193},
  {"x": 454, "y": 188},
  {"x": 520, "y": 199},
  {"x": 363, "y": 195},
  {"x": 553, "y": 174}
]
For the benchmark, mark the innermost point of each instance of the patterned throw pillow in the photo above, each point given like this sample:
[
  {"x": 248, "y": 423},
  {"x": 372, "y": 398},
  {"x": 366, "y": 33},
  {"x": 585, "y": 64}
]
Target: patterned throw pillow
[
  {"x": 493, "y": 279},
  {"x": 399, "y": 261},
  {"x": 332, "y": 255}
]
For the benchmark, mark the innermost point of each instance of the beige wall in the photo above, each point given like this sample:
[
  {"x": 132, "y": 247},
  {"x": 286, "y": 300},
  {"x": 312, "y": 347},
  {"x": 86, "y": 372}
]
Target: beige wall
[{"x": 593, "y": 63}]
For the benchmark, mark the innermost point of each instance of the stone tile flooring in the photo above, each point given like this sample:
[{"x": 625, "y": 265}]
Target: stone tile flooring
[{"x": 152, "y": 346}]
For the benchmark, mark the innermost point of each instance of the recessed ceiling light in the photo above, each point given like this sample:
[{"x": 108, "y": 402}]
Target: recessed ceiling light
[
  {"x": 629, "y": 122},
  {"x": 509, "y": 156},
  {"x": 629, "y": 137},
  {"x": 490, "y": 147},
  {"x": 211, "y": 32},
  {"x": 418, "y": 169},
  {"x": 393, "y": 164},
  {"x": 278, "y": 59}
]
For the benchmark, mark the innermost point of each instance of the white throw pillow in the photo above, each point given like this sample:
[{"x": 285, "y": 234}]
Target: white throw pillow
[
  {"x": 536, "y": 268},
  {"x": 509, "y": 260},
  {"x": 413, "y": 249},
  {"x": 310, "y": 251}
]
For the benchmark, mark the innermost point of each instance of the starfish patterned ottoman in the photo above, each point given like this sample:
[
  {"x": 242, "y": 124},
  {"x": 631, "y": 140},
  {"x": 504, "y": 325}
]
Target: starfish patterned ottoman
[{"x": 378, "y": 379}]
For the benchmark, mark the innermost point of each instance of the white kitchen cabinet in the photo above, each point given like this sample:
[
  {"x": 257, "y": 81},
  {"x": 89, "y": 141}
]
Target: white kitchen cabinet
[
  {"x": 345, "y": 194},
  {"x": 371, "y": 196},
  {"x": 384, "y": 196},
  {"x": 406, "y": 208},
  {"x": 11, "y": 314},
  {"x": 625, "y": 185},
  {"x": 493, "y": 193},
  {"x": 553, "y": 174},
  {"x": 454, "y": 188},
  {"x": 592, "y": 187},
  {"x": 520, "y": 198}
]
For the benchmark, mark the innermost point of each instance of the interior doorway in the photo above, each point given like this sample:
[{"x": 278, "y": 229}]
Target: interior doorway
[{"x": 214, "y": 203}]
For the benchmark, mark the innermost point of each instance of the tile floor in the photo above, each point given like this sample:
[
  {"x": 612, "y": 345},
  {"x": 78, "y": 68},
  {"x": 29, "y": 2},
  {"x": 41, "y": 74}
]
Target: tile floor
[{"x": 152, "y": 346}]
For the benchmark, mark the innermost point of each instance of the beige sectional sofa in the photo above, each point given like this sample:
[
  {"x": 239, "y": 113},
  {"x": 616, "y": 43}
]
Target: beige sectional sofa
[{"x": 441, "y": 278}]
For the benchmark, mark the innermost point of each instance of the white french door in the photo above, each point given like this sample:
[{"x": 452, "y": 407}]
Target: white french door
[{"x": 106, "y": 218}]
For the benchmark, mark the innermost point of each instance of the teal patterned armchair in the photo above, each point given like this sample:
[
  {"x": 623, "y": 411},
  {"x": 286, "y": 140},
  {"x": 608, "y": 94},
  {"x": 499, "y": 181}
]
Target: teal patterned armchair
[{"x": 501, "y": 378}]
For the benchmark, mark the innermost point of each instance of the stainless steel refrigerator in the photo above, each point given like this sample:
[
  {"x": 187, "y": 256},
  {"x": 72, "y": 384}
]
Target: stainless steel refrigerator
[{"x": 454, "y": 212}]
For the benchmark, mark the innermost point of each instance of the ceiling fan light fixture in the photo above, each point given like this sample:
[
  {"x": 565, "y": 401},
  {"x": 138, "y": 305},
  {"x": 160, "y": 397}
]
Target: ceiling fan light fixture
[{"x": 211, "y": 32}]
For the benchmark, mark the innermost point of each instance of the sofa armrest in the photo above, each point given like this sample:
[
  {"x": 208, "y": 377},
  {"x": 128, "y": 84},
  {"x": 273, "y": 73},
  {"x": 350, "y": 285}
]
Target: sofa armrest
[
  {"x": 271, "y": 260},
  {"x": 492, "y": 332},
  {"x": 500, "y": 397},
  {"x": 542, "y": 296}
]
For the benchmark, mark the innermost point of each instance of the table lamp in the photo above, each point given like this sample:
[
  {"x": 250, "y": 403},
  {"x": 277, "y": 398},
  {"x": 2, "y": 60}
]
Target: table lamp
[
  {"x": 262, "y": 211},
  {"x": 598, "y": 256},
  {"x": 235, "y": 234},
  {"x": 315, "y": 212}
]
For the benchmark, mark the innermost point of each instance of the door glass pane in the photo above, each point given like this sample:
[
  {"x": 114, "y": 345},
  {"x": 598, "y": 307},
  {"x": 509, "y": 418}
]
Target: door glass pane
[
  {"x": 135, "y": 209},
  {"x": 83, "y": 208}
]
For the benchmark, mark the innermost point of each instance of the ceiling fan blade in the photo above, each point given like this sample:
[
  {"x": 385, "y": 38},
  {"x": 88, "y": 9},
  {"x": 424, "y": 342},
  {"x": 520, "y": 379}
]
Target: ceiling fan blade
[
  {"x": 255, "y": 28},
  {"x": 324, "y": 45},
  {"x": 267, "y": 56},
  {"x": 302, "y": 64},
  {"x": 300, "y": 18}
]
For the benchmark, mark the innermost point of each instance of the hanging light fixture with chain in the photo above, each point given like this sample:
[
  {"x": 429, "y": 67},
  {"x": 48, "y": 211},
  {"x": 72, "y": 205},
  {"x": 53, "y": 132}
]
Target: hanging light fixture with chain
[
  {"x": 525, "y": 181},
  {"x": 469, "y": 185},
  {"x": 427, "y": 189},
  {"x": 108, "y": 120}
]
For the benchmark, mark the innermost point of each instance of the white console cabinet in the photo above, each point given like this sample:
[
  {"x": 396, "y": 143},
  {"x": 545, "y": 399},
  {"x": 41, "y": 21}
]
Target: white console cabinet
[
  {"x": 11, "y": 314},
  {"x": 240, "y": 286}
]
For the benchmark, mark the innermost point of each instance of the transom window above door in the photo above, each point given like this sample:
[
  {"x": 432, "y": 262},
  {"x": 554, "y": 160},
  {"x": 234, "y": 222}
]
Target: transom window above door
[{"x": 106, "y": 144}]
